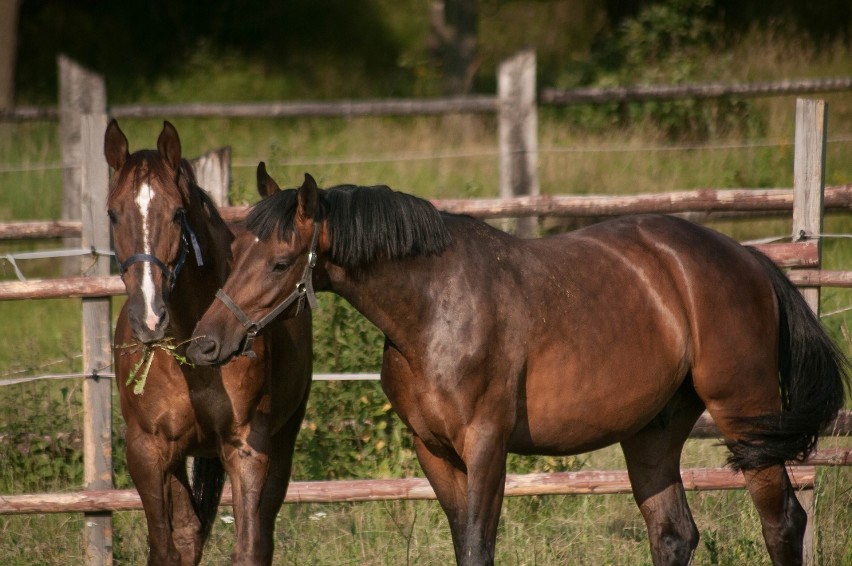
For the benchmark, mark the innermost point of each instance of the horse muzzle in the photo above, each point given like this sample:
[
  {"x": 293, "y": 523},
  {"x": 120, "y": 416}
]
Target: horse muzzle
[{"x": 205, "y": 351}]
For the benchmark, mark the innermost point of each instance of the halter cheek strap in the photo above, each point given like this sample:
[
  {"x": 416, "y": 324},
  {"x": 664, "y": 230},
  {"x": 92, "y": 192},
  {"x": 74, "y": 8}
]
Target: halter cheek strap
[
  {"x": 188, "y": 240},
  {"x": 304, "y": 290}
]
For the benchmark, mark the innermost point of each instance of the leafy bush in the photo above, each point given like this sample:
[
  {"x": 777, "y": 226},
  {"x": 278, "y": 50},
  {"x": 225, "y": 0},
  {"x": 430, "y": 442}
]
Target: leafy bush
[
  {"x": 42, "y": 450},
  {"x": 667, "y": 42},
  {"x": 350, "y": 430}
]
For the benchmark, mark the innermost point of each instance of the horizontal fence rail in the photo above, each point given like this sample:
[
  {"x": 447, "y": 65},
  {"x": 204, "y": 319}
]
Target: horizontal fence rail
[
  {"x": 484, "y": 104},
  {"x": 462, "y": 104},
  {"x": 648, "y": 93},
  {"x": 702, "y": 200},
  {"x": 599, "y": 482},
  {"x": 798, "y": 254},
  {"x": 559, "y": 483},
  {"x": 342, "y": 108},
  {"x": 837, "y": 198}
]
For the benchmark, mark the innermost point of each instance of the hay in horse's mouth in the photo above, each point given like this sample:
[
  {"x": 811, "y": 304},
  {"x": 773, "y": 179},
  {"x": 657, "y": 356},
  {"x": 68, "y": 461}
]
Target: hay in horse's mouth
[{"x": 139, "y": 372}]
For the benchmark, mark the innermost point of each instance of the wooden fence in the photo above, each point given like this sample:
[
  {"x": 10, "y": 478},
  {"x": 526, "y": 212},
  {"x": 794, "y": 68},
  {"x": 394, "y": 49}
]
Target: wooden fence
[{"x": 808, "y": 200}]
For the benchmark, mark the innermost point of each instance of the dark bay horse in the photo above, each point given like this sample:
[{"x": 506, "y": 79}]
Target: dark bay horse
[
  {"x": 622, "y": 332},
  {"x": 174, "y": 252}
]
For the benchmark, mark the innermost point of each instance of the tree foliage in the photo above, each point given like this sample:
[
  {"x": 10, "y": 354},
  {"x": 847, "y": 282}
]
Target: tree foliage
[
  {"x": 341, "y": 49},
  {"x": 135, "y": 42}
]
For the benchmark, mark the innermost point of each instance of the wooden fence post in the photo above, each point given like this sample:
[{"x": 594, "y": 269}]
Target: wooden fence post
[
  {"x": 80, "y": 92},
  {"x": 518, "y": 133},
  {"x": 97, "y": 340},
  {"x": 213, "y": 173},
  {"x": 808, "y": 190}
]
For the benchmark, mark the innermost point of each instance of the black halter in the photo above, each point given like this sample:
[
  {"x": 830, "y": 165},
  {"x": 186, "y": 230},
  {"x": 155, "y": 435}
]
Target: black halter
[
  {"x": 187, "y": 237},
  {"x": 304, "y": 290}
]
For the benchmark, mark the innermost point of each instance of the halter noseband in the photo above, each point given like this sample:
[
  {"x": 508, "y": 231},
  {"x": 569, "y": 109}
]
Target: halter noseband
[
  {"x": 304, "y": 290},
  {"x": 187, "y": 237}
]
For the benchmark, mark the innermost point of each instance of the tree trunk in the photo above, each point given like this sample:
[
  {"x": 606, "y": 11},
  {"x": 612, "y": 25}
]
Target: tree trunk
[{"x": 453, "y": 30}]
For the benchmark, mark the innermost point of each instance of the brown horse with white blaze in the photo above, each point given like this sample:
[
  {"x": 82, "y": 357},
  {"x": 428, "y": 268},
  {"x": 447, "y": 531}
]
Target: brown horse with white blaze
[
  {"x": 174, "y": 252},
  {"x": 622, "y": 332}
]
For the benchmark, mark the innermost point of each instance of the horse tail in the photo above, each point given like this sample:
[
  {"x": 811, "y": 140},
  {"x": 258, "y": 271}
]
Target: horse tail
[
  {"x": 208, "y": 479},
  {"x": 813, "y": 373}
]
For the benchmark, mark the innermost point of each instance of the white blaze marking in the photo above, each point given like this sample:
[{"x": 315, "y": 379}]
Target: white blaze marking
[{"x": 143, "y": 202}]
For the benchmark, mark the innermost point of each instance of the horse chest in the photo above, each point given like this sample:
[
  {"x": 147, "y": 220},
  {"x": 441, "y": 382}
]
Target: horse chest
[
  {"x": 211, "y": 409},
  {"x": 171, "y": 417},
  {"x": 436, "y": 415}
]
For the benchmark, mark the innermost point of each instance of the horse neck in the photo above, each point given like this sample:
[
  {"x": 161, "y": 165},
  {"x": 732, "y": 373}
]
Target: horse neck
[
  {"x": 402, "y": 297},
  {"x": 381, "y": 292}
]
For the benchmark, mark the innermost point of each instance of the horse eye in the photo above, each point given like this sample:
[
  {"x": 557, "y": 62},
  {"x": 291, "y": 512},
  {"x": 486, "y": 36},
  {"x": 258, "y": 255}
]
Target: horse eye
[
  {"x": 179, "y": 215},
  {"x": 112, "y": 216},
  {"x": 279, "y": 266}
]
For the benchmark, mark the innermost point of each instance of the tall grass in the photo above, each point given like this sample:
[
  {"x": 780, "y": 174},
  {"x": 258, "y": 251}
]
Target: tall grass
[{"x": 450, "y": 156}]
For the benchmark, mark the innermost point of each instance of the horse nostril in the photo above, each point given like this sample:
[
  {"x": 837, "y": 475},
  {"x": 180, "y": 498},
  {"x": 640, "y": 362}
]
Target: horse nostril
[{"x": 203, "y": 350}]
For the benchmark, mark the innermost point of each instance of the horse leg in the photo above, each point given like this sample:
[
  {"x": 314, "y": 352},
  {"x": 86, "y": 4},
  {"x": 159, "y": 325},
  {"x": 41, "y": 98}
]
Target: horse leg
[
  {"x": 653, "y": 465},
  {"x": 485, "y": 456},
  {"x": 782, "y": 518},
  {"x": 470, "y": 491},
  {"x": 154, "y": 483},
  {"x": 247, "y": 470},
  {"x": 186, "y": 526},
  {"x": 282, "y": 445},
  {"x": 750, "y": 389},
  {"x": 448, "y": 480}
]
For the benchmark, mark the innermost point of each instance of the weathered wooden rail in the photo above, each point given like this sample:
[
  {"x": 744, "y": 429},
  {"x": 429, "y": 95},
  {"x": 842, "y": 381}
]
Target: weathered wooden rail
[
  {"x": 802, "y": 254},
  {"x": 591, "y": 482},
  {"x": 837, "y": 198}
]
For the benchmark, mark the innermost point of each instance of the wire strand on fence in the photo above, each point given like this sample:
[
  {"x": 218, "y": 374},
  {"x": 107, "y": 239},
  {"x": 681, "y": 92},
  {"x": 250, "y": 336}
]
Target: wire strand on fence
[
  {"x": 40, "y": 366},
  {"x": 420, "y": 156},
  {"x": 101, "y": 374},
  {"x": 402, "y": 157},
  {"x": 378, "y": 158},
  {"x": 48, "y": 254},
  {"x": 836, "y": 311},
  {"x": 8, "y": 168},
  {"x": 773, "y": 239},
  {"x": 52, "y": 376},
  {"x": 842, "y": 138}
]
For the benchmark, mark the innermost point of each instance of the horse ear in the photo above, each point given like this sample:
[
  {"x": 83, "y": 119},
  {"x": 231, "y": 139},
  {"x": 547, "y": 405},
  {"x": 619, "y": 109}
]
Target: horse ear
[
  {"x": 115, "y": 145},
  {"x": 307, "y": 199},
  {"x": 168, "y": 144},
  {"x": 266, "y": 185}
]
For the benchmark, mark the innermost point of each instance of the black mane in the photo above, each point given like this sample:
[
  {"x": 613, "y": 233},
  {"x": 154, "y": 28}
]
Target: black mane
[{"x": 365, "y": 223}]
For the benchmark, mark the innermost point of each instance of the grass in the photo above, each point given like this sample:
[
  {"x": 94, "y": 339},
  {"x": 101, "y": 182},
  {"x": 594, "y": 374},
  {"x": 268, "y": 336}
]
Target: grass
[
  {"x": 451, "y": 156},
  {"x": 542, "y": 530}
]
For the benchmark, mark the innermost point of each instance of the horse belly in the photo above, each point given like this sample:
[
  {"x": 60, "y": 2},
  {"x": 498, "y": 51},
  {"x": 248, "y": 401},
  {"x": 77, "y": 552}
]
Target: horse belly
[
  {"x": 575, "y": 402},
  {"x": 558, "y": 424}
]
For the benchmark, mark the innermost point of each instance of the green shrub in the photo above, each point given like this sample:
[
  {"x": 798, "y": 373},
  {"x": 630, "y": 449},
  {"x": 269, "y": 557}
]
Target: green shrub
[{"x": 665, "y": 43}]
